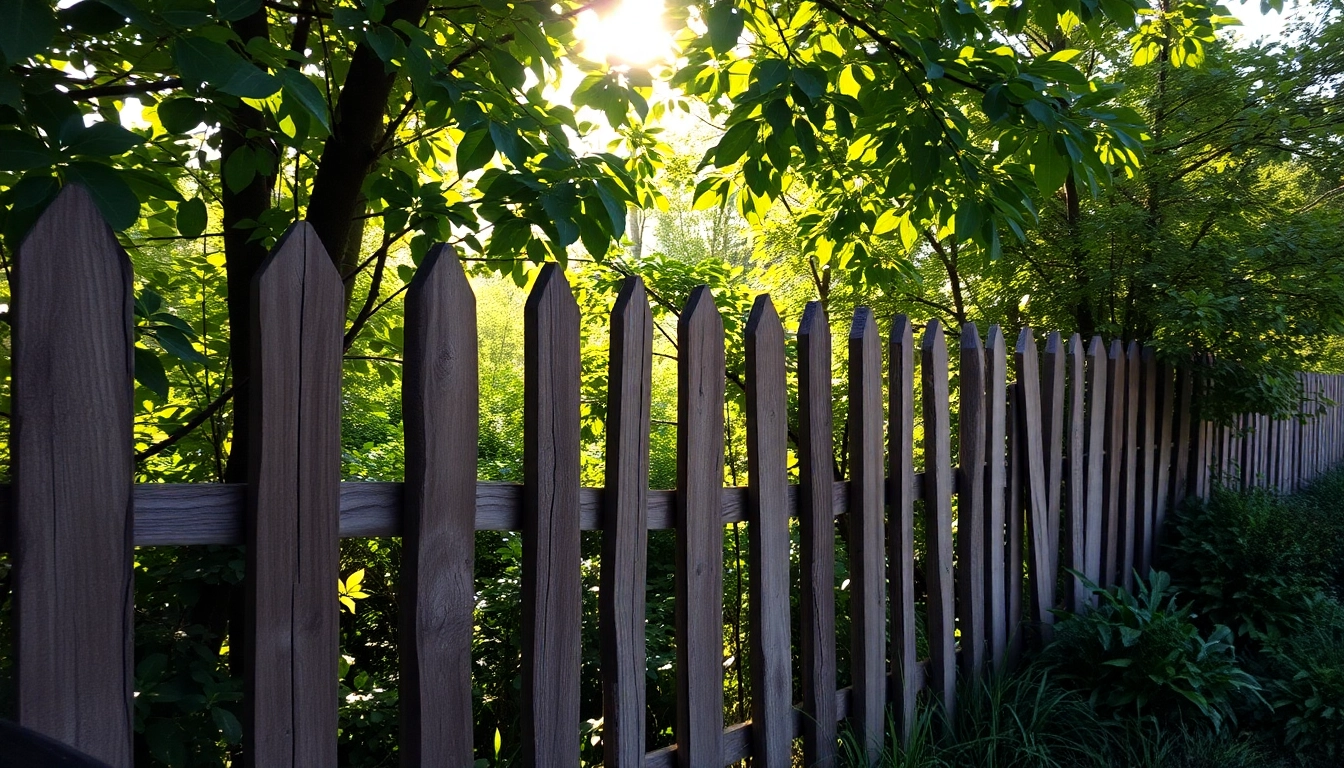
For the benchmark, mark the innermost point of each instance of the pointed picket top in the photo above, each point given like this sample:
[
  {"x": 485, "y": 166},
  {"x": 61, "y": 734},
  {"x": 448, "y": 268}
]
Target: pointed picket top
[
  {"x": 1116, "y": 350},
  {"x": 763, "y": 323},
  {"x": 933, "y": 339},
  {"x": 970, "y": 567},
  {"x": 1026, "y": 348},
  {"x": 299, "y": 248},
  {"x": 551, "y": 285},
  {"x": 863, "y": 324},
  {"x": 632, "y": 302},
  {"x": 441, "y": 274},
  {"x": 970, "y": 337},
  {"x": 700, "y": 313},
  {"x": 1096, "y": 347}
]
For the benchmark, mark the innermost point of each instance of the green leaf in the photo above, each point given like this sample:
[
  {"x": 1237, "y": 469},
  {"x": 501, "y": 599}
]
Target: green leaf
[
  {"x": 229, "y": 727},
  {"x": 27, "y": 28},
  {"x": 298, "y": 87},
  {"x": 770, "y": 73},
  {"x": 725, "y": 24},
  {"x": 104, "y": 139},
  {"x": 19, "y": 151},
  {"x": 475, "y": 150},
  {"x": 240, "y": 168},
  {"x": 113, "y": 196},
  {"x": 203, "y": 60},
  {"x": 1050, "y": 169},
  {"x": 176, "y": 343},
  {"x": 507, "y": 140},
  {"x": 149, "y": 372},
  {"x": 91, "y": 18},
  {"x": 181, "y": 115},
  {"x": 233, "y": 10},
  {"x": 735, "y": 143},
  {"x": 191, "y": 217}
]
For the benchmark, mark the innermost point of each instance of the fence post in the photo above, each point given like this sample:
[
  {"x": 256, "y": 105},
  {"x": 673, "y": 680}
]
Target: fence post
[
  {"x": 1147, "y": 444},
  {"x": 768, "y": 538},
  {"x": 1130, "y": 508},
  {"x": 620, "y": 597},
  {"x": 72, "y": 446},
  {"x": 1096, "y": 453},
  {"x": 816, "y": 531},
  {"x": 293, "y": 504},
  {"x": 1052, "y": 433},
  {"x": 938, "y": 517},
  {"x": 906, "y": 681},
  {"x": 970, "y": 566},
  {"x": 1077, "y": 469},
  {"x": 996, "y": 494},
  {"x": 699, "y": 579},
  {"x": 440, "y": 402},
  {"x": 1115, "y": 461},
  {"x": 1042, "y": 580}
]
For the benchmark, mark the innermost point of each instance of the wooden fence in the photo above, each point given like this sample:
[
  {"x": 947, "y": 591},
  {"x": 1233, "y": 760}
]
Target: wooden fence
[{"x": 1076, "y": 463}]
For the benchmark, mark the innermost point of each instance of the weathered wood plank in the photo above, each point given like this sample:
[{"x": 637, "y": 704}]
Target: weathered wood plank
[
  {"x": 1077, "y": 487},
  {"x": 440, "y": 395},
  {"x": 867, "y": 553},
  {"x": 1115, "y": 463},
  {"x": 938, "y": 517},
  {"x": 71, "y": 434},
  {"x": 970, "y": 566},
  {"x": 996, "y": 454},
  {"x": 1130, "y": 508},
  {"x": 1180, "y": 482},
  {"x": 1052, "y": 432},
  {"x": 816, "y": 530},
  {"x": 1147, "y": 445},
  {"x": 699, "y": 577},
  {"x": 1167, "y": 379},
  {"x": 1040, "y": 573},
  {"x": 1015, "y": 525},
  {"x": 768, "y": 538},
  {"x": 906, "y": 677},
  {"x": 552, "y": 593},
  {"x": 1097, "y": 423},
  {"x": 621, "y": 593},
  {"x": 293, "y": 495}
]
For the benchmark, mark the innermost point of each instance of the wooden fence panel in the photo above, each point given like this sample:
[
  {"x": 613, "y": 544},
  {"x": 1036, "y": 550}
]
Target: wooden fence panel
[
  {"x": 1015, "y": 525},
  {"x": 1147, "y": 481},
  {"x": 700, "y": 382},
  {"x": 1039, "y": 572},
  {"x": 1077, "y": 468},
  {"x": 1097, "y": 422},
  {"x": 1115, "y": 462},
  {"x": 290, "y": 635},
  {"x": 938, "y": 516},
  {"x": 72, "y": 444},
  {"x": 970, "y": 566},
  {"x": 552, "y": 591},
  {"x": 1130, "y": 508},
  {"x": 621, "y": 593},
  {"x": 1166, "y": 421},
  {"x": 908, "y": 677},
  {"x": 440, "y": 395},
  {"x": 1052, "y": 432},
  {"x": 768, "y": 538},
  {"x": 1180, "y": 486},
  {"x": 816, "y": 527},
  {"x": 867, "y": 553},
  {"x": 996, "y": 454}
]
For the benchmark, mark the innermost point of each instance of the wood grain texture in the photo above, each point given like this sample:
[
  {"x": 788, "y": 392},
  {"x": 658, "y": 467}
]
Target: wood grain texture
[
  {"x": 1115, "y": 463},
  {"x": 996, "y": 478},
  {"x": 1166, "y": 417},
  {"x": 1180, "y": 481},
  {"x": 1053, "y": 368},
  {"x": 970, "y": 542},
  {"x": 293, "y": 506},
  {"x": 699, "y": 577},
  {"x": 867, "y": 551},
  {"x": 1130, "y": 506},
  {"x": 816, "y": 531},
  {"x": 621, "y": 593},
  {"x": 938, "y": 517},
  {"x": 768, "y": 538},
  {"x": 552, "y": 593},
  {"x": 1040, "y": 572},
  {"x": 440, "y": 395},
  {"x": 1097, "y": 423},
  {"x": 71, "y": 434},
  {"x": 1015, "y": 525},
  {"x": 1147, "y": 479},
  {"x": 902, "y": 487},
  {"x": 1076, "y": 485}
]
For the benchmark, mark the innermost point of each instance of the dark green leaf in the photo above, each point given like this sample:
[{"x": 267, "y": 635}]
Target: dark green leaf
[
  {"x": 176, "y": 343},
  {"x": 91, "y": 18},
  {"x": 191, "y": 217},
  {"x": 181, "y": 115},
  {"x": 27, "y": 28},
  {"x": 725, "y": 24},
  {"x": 233, "y": 10},
  {"x": 735, "y": 142},
  {"x": 104, "y": 139},
  {"x": 302, "y": 90},
  {"x": 149, "y": 373},
  {"x": 770, "y": 73},
  {"x": 474, "y": 151},
  {"x": 203, "y": 60},
  {"x": 240, "y": 168},
  {"x": 229, "y": 727},
  {"x": 113, "y": 196},
  {"x": 19, "y": 151}
]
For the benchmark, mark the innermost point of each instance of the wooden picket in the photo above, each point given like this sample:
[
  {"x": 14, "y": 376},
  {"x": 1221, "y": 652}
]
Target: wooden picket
[{"x": 1080, "y": 462}]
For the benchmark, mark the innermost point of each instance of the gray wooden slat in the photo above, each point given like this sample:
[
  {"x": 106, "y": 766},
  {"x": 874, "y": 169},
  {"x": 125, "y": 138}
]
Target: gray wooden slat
[
  {"x": 552, "y": 592},
  {"x": 1052, "y": 432},
  {"x": 699, "y": 573},
  {"x": 996, "y": 455},
  {"x": 816, "y": 515},
  {"x": 71, "y": 434},
  {"x": 1167, "y": 378},
  {"x": 938, "y": 517},
  {"x": 1097, "y": 422},
  {"x": 440, "y": 395},
  {"x": 768, "y": 538},
  {"x": 1015, "y": 525},
  {"x": 1115, "y": 463},
  {"x": 1180, "y": 483},
  {"x": 1040, "y": 573},
  {"x": 867, "y": 553},
  {"x": 1130, "y": 507},
  {"x": 970, "y": 566},
  {"x": 1147, "y": 481},
  {"x": 1077, "y": 486},
  {"x": 621, "y": 593},
  {"x": 902, "y": 487},
  {"x": 293, "y": 501}
]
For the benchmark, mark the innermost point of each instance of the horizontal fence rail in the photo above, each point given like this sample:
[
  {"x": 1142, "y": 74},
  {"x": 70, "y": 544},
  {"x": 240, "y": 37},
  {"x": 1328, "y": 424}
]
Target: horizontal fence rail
[{"x": 1076, "y": 463}]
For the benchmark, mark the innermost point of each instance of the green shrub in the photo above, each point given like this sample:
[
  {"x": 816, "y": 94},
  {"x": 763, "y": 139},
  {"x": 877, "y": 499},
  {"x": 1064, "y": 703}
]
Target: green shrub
[
  {"x": 1143, "y": 654},
  {"x": 1247, "y": 560},
  {"x": 1308, "y": 689}
]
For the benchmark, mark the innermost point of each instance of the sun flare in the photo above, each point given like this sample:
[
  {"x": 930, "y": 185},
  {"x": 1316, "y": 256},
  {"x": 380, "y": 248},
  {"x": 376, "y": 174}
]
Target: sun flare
[{"x": 632, "y": 33}]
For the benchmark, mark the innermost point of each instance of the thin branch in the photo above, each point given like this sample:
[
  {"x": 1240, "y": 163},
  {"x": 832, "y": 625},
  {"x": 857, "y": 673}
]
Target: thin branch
[
  {"x": 129, "y": 89},
  {"x": 190, "y": 425}
]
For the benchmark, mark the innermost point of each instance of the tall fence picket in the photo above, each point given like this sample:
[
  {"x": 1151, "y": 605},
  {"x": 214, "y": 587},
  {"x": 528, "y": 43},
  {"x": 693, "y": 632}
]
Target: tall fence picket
[
  {"x": 1115, "y": 462},
  {"x": 1041, "y": 578},
  {"x": 970, "y": 566},
  {"x": 996, "y": 499},
  {"x": 907, "y": 678},
  {"x": 1077, "y": 467},
  {"x": 1097, "y": 422},
  {"x": 938, "y": 517}
]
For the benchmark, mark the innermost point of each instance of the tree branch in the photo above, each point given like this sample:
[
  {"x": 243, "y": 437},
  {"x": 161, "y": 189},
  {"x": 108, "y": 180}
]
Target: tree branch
[
  {"x": 187, "y": 427},
  {"x": 127, "y": 89}
]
